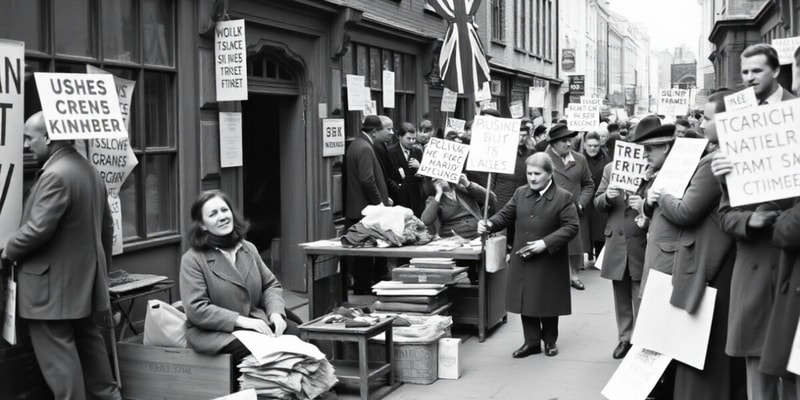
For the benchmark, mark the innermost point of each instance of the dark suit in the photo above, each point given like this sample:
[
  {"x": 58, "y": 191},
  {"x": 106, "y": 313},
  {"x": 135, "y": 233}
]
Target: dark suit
[
  {"x": 63, "y": 248},
  {"x": 575, "y": 178},
  {"x": 409, "y": 192},
  {"x": 382, "y": 154}
]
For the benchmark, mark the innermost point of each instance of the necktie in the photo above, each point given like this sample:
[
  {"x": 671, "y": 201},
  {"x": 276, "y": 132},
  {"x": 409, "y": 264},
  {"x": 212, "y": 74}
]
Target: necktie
[{"x": 762, "y": 102}]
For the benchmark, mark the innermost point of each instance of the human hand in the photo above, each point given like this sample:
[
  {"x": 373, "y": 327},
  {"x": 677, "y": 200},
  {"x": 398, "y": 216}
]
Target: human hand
[
  {"x": 279, "y": 322},
  {"x": 413, "y": 163},
  {"x": 762, "y": 218},
  {"x": 253, "y": 324},
  {"x": 463, "y": 180},
  {"x": 537, "y": 246},
  {"x": 438, "y": 188},
  {"x": 653, "y": 195},
  {"x": 721, "y": 165},
  {"x": 483, "y": 226},
  {"x": 635, "y": 201},
  {"x": 612, "y": 193},
  {"x": 389, "y": 202}
]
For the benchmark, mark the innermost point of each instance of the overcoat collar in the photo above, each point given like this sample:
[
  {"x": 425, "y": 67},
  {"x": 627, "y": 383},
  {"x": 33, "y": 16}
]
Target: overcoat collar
[
  {"x": 559, "y": 162},
  {"x": 548, "y": 194},
  {"x": 222, "y": 267}
]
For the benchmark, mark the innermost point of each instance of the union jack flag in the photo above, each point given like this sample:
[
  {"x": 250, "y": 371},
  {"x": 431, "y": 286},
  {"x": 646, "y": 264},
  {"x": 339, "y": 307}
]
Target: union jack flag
[{"x": 462, "y": 61}]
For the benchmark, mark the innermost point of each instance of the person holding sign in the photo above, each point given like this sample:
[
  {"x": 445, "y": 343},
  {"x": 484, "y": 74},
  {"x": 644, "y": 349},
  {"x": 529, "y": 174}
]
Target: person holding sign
[
  {"x": 573, "y": 175},
  {"x": 506, "y": 184},
  {"x": 455, "y": 209},
  {"x": 546, "y": 220},
  {"x": 63, "y": 248},
  {"x": 404, "y": 158}
]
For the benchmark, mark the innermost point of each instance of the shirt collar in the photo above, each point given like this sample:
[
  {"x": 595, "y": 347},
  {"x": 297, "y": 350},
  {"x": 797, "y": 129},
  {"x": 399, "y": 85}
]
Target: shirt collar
[
  {"x": 775, "y": 97},
  {"x": 368, "y": 137},
  {"x": 546, "y": 188},
  {"x": 568, "y": 157}
]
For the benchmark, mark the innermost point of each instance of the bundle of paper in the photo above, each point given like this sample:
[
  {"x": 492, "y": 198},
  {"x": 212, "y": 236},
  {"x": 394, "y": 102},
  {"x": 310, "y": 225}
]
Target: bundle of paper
[
  {"x": 428, "y": 275},
  {"x": 415, "y": 304},
  {"x": 393, "y": 288},
  {"x": 436, "y": 263}
]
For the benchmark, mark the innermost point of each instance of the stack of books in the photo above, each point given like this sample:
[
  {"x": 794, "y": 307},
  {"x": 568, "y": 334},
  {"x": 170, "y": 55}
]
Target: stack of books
[
  {"x": 430, "y": 270},
  {"x": 424, "y": 298}
]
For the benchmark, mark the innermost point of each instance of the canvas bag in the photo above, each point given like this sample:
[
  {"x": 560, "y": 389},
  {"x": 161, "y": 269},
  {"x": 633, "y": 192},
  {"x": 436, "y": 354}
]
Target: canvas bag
[
  {"x": 164, "y": 325},
  {"x": 10, "y": 317},
  {"x": 495, "y": 253}
]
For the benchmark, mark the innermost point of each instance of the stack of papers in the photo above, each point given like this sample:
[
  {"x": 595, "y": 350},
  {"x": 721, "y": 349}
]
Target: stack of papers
[
  {"x": 284, "y": 367},
  {"x": 392, "y": 288}
]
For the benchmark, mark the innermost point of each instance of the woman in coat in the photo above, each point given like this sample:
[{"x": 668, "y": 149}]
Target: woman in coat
[
  {"x": 225, "y": 285},
  {"x": 454, "y": 209},
  {"x": 545, "y": 219}
]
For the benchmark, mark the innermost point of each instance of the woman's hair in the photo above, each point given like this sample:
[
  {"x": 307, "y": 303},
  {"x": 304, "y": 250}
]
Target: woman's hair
[
  {"x": 197, "y": 235},
  {"x": 541, "y": 160}
]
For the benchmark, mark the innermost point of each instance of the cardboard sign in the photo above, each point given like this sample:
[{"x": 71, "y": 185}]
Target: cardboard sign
[
  {"x": 673, "y": 102},
  {"x": 786, "y": 48},
  {"x": 763, "y": 144},
  {"x": 355, "y": 93},
  {"x": 388, "y": 89},
  {"x": 449, "y": 99},
  {"x": 516, "y": 109},
  {"x": 493, "y": 147},
  {"x": 443, "y": 159},
  {"x": 740, "y": 100},
  {"x": 80, "y": 106},
  {"x": 332, "y": 137},
  {"x": 484, "y": 93},
  {"x": 536, "y": 96},
  {"x": 636, "y": 375},
  {"x": 230, "y": 55},
  {"x": 794, "y": 355},
  {"x": 582, "y": 117},
  {"x": 669, "y": 330},
  {"x": 630, "y": 166},
  {"x": 680, "y": 165},
  {"x": 230, "y": 139},
  {"x": 454, "y": 124},
  {"x": 12, "y": 90}
]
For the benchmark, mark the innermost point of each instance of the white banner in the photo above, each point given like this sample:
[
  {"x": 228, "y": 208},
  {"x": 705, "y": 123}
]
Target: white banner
[
  {"x": 230, "y": 139},
  {"x": 449, "y": 99},
  {"x": 355, "y": 92},
  {"x": 536, "y": 96},
  {"x": 388, "y": 89},
  {"x": 332, "y": 137},
  {"x": 740, "y": 100},
  {"x": 443, "y": 159},
  {"x": 230, "y": 54},
  {"x": 493, "y": 147},
  {"x": 12, "y": 90},
  {"x": 680, "y": 165},
  {"x": 630, "y": 165},
  {"x": 672, "y": 102},
  {"x": 786, "y": 48}
]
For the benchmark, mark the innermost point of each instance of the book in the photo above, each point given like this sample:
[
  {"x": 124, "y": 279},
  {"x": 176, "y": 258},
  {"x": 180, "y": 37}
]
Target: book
[
  {"x": 407, "y": 307},
  {"x": 412, "y": 299},
  {"x": 394, "y": 285},
  {"x": 433, "y": 263},
  {"x": 409, "y": 292},
  {"x": 425, "y": 275}
]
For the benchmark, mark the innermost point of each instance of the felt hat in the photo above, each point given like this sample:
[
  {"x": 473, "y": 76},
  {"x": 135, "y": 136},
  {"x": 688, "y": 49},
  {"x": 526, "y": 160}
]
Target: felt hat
[
  {"x": 491, "y": 111},
  {"x": 371, "y": 122},
  {"x": 647, "y": 124},
  {"x": 659, "y": 135},
  {"x": 539, "y": 130},
  {"x": 560, "y": 131}
]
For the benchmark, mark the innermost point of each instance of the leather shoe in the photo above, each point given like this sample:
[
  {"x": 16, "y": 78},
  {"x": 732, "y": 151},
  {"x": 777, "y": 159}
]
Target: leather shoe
[
  {"x": 621, "y": 350},
  {"x": 526, "y": 350},
  {"x": 550, "y": 350},
  {"x": 577, "y": 284}
]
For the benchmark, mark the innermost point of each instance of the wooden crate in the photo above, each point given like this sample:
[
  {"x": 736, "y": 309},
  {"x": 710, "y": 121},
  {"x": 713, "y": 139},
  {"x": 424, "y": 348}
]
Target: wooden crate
[{"x": 151, "y": 373}]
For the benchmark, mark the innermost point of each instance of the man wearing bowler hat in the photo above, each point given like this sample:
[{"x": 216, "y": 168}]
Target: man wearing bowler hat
[{"x": 571, "y": 172}]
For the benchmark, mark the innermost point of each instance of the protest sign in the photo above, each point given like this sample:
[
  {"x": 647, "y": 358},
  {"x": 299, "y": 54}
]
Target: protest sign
[
  {"x": 230, "y": 55},
  {"x": 786, "y": 48},
  {"x": 742, "y": 99},
  {"x": 454, "y": 124},
  {"x": 636, "y": 375},
  {"x": 230, "y": 139},
  {"x": 536, "y": 96},
  {"x": 630, "y": 165},
  {"x": 484, "y": 93},
  {"x": 764, "y": 146},
  {"x": 332, "y": 137},
  {"x": 12, "y": 89},
  {"x": 516, "y": 109},
  {"x": 80, "y": 106},
  {"x": 582, "y": 117},
  {"x": 388, "y": 89},
  {"x": 680, "y": 165},
  {"x": 493, "y": 147},
  {"x": 673, "y": 102},
  {"x": 355, "y": 93},
  {"x": 449, "y": 99},
  {"x": 443, "y": 159},
  {"x": 115, "y": 205},
  {"x": 669, "y": 330},
  {"x": 794, "y": 355}
]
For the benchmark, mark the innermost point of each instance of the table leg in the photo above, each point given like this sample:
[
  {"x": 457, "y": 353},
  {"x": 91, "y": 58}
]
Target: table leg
[
  {"x": 311, "y": 261},
  {"x": 390, "y": 354},
  {"x": 482, "y": 301},
  {"x": 363, "y": 367}
]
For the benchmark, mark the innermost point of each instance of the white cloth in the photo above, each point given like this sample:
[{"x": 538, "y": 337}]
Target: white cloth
[{"x": 386, "y": 218}]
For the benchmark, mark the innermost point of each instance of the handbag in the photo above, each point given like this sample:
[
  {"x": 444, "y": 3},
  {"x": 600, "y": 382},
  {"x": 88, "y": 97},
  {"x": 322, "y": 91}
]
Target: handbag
[
  {"x": 164, "y": 325},
  {"x": 495, "y": 253}
]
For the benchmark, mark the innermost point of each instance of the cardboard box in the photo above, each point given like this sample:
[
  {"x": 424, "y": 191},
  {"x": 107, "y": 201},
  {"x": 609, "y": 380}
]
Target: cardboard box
[
  {"x": 150, "y": 372},
  {"x": 449, "y": 362}
]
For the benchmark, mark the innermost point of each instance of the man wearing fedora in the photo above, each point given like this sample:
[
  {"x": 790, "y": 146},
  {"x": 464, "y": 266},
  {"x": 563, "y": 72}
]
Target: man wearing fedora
[{"x": 571, "y": 172}]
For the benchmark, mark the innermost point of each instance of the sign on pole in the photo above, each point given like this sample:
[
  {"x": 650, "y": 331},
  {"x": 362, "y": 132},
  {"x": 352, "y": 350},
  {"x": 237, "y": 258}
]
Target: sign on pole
[
  {"x": 764, "y": 146},
  {"x": 449, "y": 99},
  {"x": 230, "y": 54},
  {"x": 230, "y": 139},
  {"x": 355, "y": 93},
  {"x": 740, "y": 100},
  {"x": 786, "y": 48},
  {"x": 332, "y": 137},
  {"x": 388, "y": 89},
  {"x": 80, "y": 106},
  {"x": 582, "y": 117},
  {"x": 673, "y": 102},
  {"x": 12, "y": 91},
  {"x": 493, "y": 147},
  {"x": 454, "y": 124},
  {"x": 680, "y": 165},
  {"x": 443, "y": 159},
  {"x": 484, "y": 93},
  {"x": 536, "y": 96},
  {"x": 630, "y": 165}
]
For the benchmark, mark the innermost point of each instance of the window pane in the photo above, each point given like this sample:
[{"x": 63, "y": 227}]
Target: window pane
[
  {"x": 130, "y": 206},
  {"x": 22, "y": 20},
  {"x": 160, "y": 194},
  {"x": 409, "y": 72},
  {"x": 120, "y": 30},
  {"x": 133, "y": 112},
  {"x": 73, "y": 28},
  {"x": 375, "y": 71},
  {"x": 157, "y": 32},
  {"x": 362, "y": 55},
  {"x": 399, "y": 82},
  {"x": 347, "y": 60},
  {"x": 159, "y": 128}
]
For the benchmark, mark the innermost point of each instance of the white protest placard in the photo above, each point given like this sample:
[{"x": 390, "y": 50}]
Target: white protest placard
[
  {"x": 115, "y": 205},
  {"x": 680, "y": 165},
  {"x": 582, "y": 117},
  {"x": 454, "y": 124},
  {"x": 794, "y": 355},
  {"x": 12, "y": 91},
  {"x": 230, "y": 59},
  {"x": 630, "y": 165},
  {"x": 80, "y": 106},
  {"x": 669, "y": 330},
  {"x": 388, "y": 89},
  {"x": 493, "y": 147},
  {"x": 763, "y": 144},
  {"x": 536, "y": 96},
  {"x": 230, "y": 139},
  {"x": 740, "y": 100},
  {"x": 786, "y": 48},
  {"x": 449, "y": 99},
  {"x": 332, "y": 137},
  {"x": 355, "y": 93},
  {"x": 636, "y": 375},
  {"x": 484, "y": 93},
  {"x": 443, "y": 159},
  {"x": 516, "y": 109},
  {"x": 673, "y": 102}
]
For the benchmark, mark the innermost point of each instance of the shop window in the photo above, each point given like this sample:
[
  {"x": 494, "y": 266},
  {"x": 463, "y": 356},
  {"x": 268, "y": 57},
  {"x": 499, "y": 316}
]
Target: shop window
[{"x": 132, "y": 39}]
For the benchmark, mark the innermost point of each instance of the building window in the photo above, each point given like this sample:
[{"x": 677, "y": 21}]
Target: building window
[
  {"x": 498, "y": 20},
  {"x": 519, "y": 24},
  {"x": 135, "y": 40}
]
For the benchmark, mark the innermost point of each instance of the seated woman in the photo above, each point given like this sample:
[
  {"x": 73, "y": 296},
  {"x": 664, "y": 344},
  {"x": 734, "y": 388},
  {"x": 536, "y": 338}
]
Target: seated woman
[
  {"x": 455, "y": 209},
  {"x": 225, "y": 286}
]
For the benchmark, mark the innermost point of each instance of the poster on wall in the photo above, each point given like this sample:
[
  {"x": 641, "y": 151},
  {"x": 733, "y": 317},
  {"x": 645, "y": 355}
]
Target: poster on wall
[
  {"x": 230, "y": 57},
  {"x": 12, "y": 56},
  {"x": 230, "y": 139},
  {"x": 332, "y": 137},
  {"x": 388, "y": 89}
]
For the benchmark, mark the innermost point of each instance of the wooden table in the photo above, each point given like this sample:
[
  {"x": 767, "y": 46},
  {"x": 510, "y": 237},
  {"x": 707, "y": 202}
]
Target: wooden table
[
  {"x": 361, "y": 372},
  {"x": 491, "y": 287}
]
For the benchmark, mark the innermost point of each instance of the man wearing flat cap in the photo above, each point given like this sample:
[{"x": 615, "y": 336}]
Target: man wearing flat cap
[{"x": 571, "y": 172}]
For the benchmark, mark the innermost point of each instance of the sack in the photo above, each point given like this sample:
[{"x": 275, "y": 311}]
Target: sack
[
  {"x": 164, "y": 325},
  {"x": 495, "y": 253},
  {"x": 10, "y": 315}
]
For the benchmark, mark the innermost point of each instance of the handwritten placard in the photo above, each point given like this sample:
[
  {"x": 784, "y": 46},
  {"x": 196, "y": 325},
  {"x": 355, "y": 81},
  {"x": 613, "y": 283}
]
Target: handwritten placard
[
  {"x": 636, "y": 375},
  {"x": 536, "y": 96},
  {"x": 449, "y": 99},
  {"x": 630, "y": 165},
  {"x": 516, "y": 109},
  {"x": 230, "y": 139},
  {"x": 680, "y": 165},
  {"x": 388, "y": 89},
  {"x": 443, "y": 159},
  {"x": 786, "y": 48},
  {"x": 454, "y": 124},
  {"x": 332, "y": 137},
  {"x": 12, "y": 103},
  {"x": 230, "y": 53},
  {"x": 493, "y": 147},
  {"x": 740, "y": 100},
  {"x": 673, "y": 102},
  {"x": 582, "y": 117},
  {"x": 355, "y": 93}
]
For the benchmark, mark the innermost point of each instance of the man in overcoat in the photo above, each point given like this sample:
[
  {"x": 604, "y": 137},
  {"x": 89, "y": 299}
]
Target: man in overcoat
[
  {"x": 404, "y": 160},
  {"x": 63, "y": 248}
]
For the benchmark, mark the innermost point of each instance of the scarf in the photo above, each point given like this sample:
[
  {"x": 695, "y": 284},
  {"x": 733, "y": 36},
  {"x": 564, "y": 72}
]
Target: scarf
[{"x": 222, "y": 242}]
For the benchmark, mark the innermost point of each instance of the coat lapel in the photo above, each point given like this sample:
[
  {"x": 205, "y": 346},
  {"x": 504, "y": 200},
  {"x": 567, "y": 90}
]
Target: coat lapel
[{"x": 222, "y": 267}]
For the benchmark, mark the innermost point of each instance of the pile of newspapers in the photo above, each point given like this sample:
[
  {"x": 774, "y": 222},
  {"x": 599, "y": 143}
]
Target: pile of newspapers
[{"x": 284, "y": 367}]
